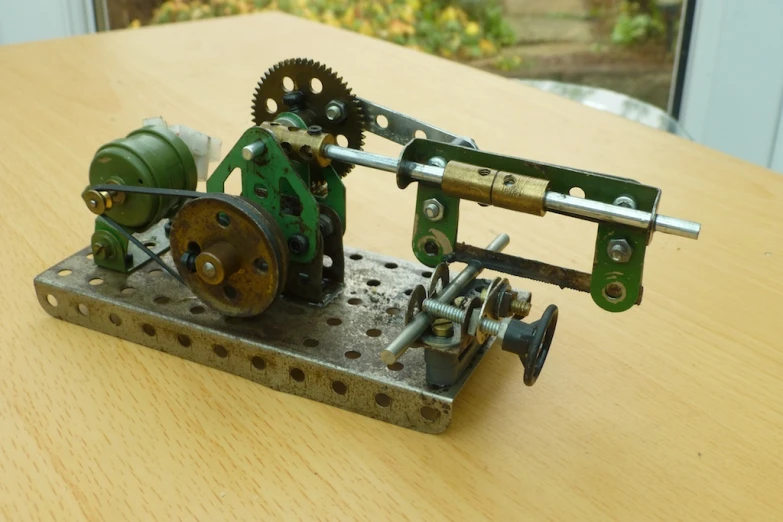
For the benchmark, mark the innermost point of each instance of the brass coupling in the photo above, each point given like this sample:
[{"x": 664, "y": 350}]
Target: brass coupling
[
  {"x": 495, "y": 187},
  {"x": 99, "y": 201},
  {"x": 305, "y": 145},
  {"x": 215, "y": 264}
]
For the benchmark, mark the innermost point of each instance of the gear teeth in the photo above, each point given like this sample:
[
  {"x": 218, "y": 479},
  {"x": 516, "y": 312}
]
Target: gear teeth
[{"x": 302, "y": 70}]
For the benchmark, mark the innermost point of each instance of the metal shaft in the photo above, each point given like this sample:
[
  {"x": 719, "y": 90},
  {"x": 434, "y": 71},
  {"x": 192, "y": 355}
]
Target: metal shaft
[
  {"x": 254, "y": 150},
  {"x": 553, "y": 201},
  {"x": 421, "y": 322},
  {"x": 376, "y": 161}
]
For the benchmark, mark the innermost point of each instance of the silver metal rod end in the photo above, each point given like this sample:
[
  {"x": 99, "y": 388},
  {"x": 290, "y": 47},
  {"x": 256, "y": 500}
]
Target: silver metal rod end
[
  {"x": 388, "y": 357},
  {"x": 252, "y": 151},
  {"x": 677, "y": 227},
  {"x": 499, "y": 243}
]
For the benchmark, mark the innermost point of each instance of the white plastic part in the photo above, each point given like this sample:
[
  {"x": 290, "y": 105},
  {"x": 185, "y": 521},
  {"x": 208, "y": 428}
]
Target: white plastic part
[{"x": 204, "y": 148}]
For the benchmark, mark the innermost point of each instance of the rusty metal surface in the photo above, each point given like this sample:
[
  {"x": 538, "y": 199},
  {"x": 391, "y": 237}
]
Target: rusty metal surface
[
  {"x": 259, "y": 255},
  {"x": 521, "y": 267},
  {"x": 326, "y": 353}
]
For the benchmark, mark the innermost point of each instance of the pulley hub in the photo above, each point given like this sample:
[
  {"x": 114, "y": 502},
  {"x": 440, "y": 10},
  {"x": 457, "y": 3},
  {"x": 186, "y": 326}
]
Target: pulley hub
[{"x": 230, "y": 252}]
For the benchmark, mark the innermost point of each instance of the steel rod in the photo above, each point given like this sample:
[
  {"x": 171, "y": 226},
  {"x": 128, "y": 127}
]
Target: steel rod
[
  {"x": 591, "y": 209},
  {"x": 358, "y": 157},
  {"x": 553, "y": 201},
  {"x": 421, "y": 322}
]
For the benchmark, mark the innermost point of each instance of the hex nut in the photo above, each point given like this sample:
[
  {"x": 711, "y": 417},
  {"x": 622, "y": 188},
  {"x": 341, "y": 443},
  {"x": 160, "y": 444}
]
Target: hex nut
[
  {"x": 619, "y": 250},
  {"x": 504, "y": 303},
  {"x": 335, "y": 111},
  {"x": 433, "y": 209}
]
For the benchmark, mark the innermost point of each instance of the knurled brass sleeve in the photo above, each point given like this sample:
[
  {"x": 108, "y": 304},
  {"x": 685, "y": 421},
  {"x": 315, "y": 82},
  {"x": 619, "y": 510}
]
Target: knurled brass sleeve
[
  {"x": 495, "y": 187},
  {"x": 520, "y": 193},
  {"x": 468, "y": 182},
  {"x": 301, "y": 145}
]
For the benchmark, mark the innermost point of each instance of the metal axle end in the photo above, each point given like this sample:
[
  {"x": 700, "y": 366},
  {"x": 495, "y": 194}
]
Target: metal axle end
[{"x": 388, "y": 357}]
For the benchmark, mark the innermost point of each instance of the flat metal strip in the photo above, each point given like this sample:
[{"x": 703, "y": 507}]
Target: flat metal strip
[
  {"x": 521, "y": 267},
  {"x": 400, "y": 128}
]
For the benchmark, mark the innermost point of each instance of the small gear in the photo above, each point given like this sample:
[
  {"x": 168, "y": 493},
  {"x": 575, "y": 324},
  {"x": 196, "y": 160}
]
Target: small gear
[{"x": 318, "y": 86}]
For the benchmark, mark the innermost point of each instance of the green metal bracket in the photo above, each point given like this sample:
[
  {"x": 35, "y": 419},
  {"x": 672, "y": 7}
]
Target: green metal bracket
[
  {"x": 335, "y": 198},
  {"x": 434, "y": 239},
  {"x": 266, "y": 180},
  {"x": 112, "y": 250},
  {"x": 109, "y": 247},
  {"x": 607, "y": 275}
]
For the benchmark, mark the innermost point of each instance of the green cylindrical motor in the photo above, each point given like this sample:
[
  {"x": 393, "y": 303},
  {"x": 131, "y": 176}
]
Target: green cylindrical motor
[{"x": 151, "y": 157}]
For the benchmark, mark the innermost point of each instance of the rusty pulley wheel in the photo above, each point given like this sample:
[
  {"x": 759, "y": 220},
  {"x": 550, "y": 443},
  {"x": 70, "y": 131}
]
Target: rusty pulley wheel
[{"x": 230, "y": 252}]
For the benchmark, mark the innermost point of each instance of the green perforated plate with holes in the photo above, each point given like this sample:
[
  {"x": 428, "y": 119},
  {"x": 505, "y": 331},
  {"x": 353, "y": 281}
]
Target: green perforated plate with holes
[{"x": 266, "y": 181}]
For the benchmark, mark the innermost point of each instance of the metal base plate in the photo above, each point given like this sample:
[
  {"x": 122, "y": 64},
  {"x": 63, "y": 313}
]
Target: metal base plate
[{"x": 327, "y": 353}]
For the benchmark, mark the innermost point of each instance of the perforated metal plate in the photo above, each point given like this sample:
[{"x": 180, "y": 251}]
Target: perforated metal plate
[{"x": 330, "y": 354}]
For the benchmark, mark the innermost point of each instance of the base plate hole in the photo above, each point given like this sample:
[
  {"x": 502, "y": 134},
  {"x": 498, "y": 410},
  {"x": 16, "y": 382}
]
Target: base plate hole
[{"x": 382, "y": 400}]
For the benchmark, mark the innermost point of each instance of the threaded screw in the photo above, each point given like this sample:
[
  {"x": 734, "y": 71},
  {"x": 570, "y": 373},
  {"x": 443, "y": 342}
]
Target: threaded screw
[
  {"x": 518, "y": 307},
  {"x": 458, "y": 315}
]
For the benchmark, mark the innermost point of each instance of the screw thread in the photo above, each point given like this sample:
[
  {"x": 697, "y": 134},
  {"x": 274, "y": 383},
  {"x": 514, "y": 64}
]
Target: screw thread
[
  {"x": 490, "y": 326},
  {"x": 444, "y": 310},
  {"x": 458, "y": 315},
  {"x": 520, "y": 307}
]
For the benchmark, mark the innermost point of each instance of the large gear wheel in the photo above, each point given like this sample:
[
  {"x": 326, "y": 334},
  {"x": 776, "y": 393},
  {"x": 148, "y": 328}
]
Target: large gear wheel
[{"x": 318, "y": 86}]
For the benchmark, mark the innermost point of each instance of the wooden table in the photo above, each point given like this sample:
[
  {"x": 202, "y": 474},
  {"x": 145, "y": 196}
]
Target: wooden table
[{"x": 669, "y": 411}]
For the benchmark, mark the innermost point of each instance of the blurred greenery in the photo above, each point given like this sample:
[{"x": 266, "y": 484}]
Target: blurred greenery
[
  {"x": 463, "y": 29},
  {"x": 638, "y": 23}
]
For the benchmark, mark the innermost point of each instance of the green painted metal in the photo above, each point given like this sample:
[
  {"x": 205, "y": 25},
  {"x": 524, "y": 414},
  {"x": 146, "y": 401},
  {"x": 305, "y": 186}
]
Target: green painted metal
[
  {"x": 442, "y": 233},
  {"x": 121, "y": 255},
  {"x": 148, "y": 157},
  {"x": 291, "y": 117},
  {"x": 596, "y": 186},
  {"x": 336, "y": 197},
  {"x": 265, "y": 180},
  {"x": 114, "y": 254}
]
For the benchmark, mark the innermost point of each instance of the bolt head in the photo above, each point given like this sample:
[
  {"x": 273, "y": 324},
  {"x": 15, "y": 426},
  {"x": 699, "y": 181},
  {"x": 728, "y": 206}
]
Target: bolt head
[
  {"x": 431, "y": 247},
  {"x": 298, "y": 244},
  {"x": 100, "y": 251},
  {"x": 433, "y": 209},
  {"x": 443, "y": 327},
  {"x": 437, "y": 161},
  {"x": 614, "y": 291},
  {"x": 293, "y": 100},
  {"x": 619, "y": 250},
  {"x": 625, "y": 202},
  {"x": 209, "y": 269}
]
